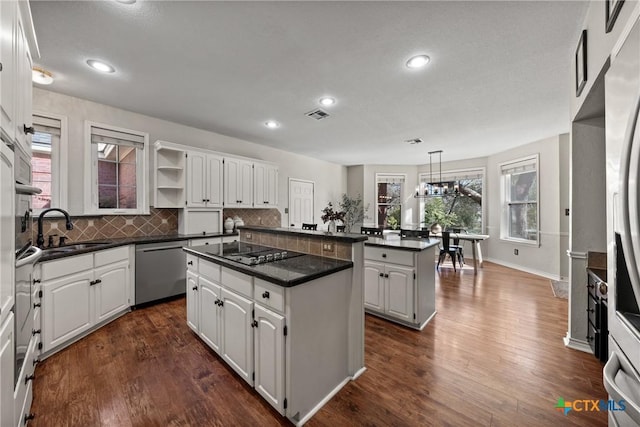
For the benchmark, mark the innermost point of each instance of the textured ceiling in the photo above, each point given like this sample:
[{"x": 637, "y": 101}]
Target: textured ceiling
[{"x": 499, "y": 74}]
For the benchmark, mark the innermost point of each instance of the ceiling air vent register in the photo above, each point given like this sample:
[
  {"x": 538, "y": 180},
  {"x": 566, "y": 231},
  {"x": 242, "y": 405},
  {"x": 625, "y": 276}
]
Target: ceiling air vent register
[
  {"x": 317, "y": 114},
  {"x": 413, "y": 141}
]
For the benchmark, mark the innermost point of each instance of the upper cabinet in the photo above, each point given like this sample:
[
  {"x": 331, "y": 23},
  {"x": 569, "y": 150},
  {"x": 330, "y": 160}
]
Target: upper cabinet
[
  {"x": 17, "y": 43},
  {"x": 204, "y": 180},
  {"x": 238, "y": 183},
  {"x": 169, "y": 175},
  {"x": 265, "y": 185}
]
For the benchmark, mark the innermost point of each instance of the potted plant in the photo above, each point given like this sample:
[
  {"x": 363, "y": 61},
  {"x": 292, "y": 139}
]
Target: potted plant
[
  {"x": 436, "y": 216},
  {"x": 331, "y": 215},
  {"x": 353, "y": 211}
]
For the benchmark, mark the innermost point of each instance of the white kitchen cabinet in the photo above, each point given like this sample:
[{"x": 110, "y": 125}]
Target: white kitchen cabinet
[
  {"x": 204, "y": 180},
  {"x": 238, "y": 183},
  {"x": 209, "y": 318},
  {"x": 269, "y": 344},
  {"x": 237, "y": 333},
  {"x": 24, "y": 100},
  {"x": 7, "y": 366},
  {"x": 98, "y": 290},
  {"x": 265, "y": 185},
  {"x": 199, "y": 221},
  {"x": 399, "y": 285},
  {"x": 7, "y": 233},
  {"x": 192, "y": 300},
  {"x": 169, "y": 175}
]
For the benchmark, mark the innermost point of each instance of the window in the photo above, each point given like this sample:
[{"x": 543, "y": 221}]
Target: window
[
  {"x": 520, "y": 200},
  {"x": 48, "y": 161},
  {"x": 389, "y": 200},
  {"x": 462, "y": 207},
  {"x": 117, "y": 166}
]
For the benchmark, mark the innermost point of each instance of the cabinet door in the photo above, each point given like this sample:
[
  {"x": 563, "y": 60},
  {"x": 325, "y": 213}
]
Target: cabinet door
[
  {"x": 259, "y": 185},
  {"x": 399, "y": 292},
  {"x": 214, "y": 181},
  {"x": 237, "y": 334},
  {"x": 192, "y": 300},
  {"x": 7, "y": 366},
  {"x": 7, "y": 239},
  {"x": 269, "y": 356},
  {"x": 245, "y": 180},
  {"x": 196, "y": 180},
  {"x": 271, "y": 188},
  {"x": 112, "y": 291},
  {"x": 209, "y": 318},
  {"x": 8, "y": 55},
  {"x": 66, "y": 308},
  {"x": 24, "y": 84},
  {"x": 374, "y": 285}
]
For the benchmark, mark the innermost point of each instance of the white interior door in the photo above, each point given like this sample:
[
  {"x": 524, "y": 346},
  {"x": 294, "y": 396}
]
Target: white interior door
[{"x": 300, "y": 202}]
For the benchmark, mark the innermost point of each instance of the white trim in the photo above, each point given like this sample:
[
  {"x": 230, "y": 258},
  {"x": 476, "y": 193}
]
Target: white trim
[
  {"x": 358, "y": 373},
  {"x": 375, "y": 192},
  {"x": 576, "y": 344},
  {"x": 576, "y": 255},
  {"x": 91, "y": 174},
  {"x": 62, "y": 160},
  {"x": 428, "y": 320},
  {"x": 320, "y": 404},
  {"x": 541, "y": 273}
]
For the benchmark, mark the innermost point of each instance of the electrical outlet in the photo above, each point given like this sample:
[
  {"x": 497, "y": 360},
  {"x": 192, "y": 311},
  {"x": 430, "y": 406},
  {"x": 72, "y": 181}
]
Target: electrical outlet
[
  {"x": 566, "y": 212},
  {"x": 247, "y": 236},
  {"x": 515, "y": 252},
  {"x": 327, "y": 247}
]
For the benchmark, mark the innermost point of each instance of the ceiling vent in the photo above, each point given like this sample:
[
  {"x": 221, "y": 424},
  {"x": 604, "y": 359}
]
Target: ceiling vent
[
  {"x": 414, "y": 141},
  {"x": 317, "y": 114}
]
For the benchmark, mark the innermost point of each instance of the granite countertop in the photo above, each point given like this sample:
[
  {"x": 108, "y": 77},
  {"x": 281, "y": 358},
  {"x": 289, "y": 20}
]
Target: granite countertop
[
  {"x": 341, "y": 237},
  {"x": 287, "y": 272},
  {"x": 415, "y": 245},
  {"x": 60, "y": 252}
]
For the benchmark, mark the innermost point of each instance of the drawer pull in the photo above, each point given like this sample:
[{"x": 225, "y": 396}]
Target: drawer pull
[
  {"x": 254, "y": 324},
  {"x": 384, "y": 255},
  {"x": 36, "y": 304},
  {"x": 195, "y": 288},
  {"x": 265, "y": 294},
  {"x": 35, "y": 331},
  {"x": 191, "y": 262},
  {"x": 381, "y": 274}
]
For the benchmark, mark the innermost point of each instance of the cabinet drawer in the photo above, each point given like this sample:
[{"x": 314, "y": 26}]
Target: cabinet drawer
[
  {"x": 192, "y": 262},
  {"x": 230, "y": 239},
  {"x": 109, "y": 256},
  {"x": 209, "y": 270},
  {"x": 206, "y": 241},
  {"x": 268, "y": 294},
  {"x": 236, "y": 281},
  {"x": 65, "y": 266},
  {"x": 389, "y": 255}
]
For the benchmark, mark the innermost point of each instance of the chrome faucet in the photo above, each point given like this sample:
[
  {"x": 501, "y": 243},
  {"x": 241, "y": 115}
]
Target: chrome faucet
[{"x": 40, "y": 239}]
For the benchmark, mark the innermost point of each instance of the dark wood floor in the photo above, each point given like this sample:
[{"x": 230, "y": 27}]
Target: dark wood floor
[{"x": 493, "y": 356}]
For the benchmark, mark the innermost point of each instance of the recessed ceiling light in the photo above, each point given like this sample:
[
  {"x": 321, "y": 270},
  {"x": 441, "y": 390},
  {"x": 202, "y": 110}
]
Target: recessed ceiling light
[
  {"x": 418, "y": 61},
  {"x": 272, "y": 124},
  {"x": 327, "y": 101},
  {"x": 100, "y": 66},
  {"x": 41, "y": 76}
]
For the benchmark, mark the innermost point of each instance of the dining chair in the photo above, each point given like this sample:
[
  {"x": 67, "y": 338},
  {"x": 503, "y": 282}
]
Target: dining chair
[
  {"x": 341, "y": 228},
  {"x": 456, "y": 241},
  {"x": 371, "y": 231},
  {"x": 447, "y": 248},
  {"x": 306, "y": 226}
]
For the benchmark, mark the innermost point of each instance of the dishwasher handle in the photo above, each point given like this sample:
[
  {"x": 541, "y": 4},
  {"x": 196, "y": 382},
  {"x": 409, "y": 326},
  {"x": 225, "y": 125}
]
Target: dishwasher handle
[{"x": 166, "y": 248}]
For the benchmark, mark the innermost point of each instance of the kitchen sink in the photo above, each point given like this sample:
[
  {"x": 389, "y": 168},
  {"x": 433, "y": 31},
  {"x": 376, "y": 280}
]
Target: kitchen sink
[{"x": 75, "y": 247}]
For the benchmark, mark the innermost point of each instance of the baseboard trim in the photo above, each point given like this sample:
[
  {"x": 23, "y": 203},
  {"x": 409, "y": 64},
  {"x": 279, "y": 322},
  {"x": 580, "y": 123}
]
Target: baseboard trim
[
  {"x": 525, "y": 269},
  {"x": 576, "y": 344},
  {"x": 320, "y": 404},
  {"x": 358, "y": 373},
  {"x": 428, "y": 320}
]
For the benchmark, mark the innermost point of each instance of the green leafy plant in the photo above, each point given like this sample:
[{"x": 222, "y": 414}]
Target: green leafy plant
[
  {"x": 353, "y": 209},
  {"x": 435, "y": 212}
]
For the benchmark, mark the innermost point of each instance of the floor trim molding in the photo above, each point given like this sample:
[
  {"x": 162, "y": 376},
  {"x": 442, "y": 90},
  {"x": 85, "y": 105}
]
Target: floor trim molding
[
  {"x": 525, "y": 269},
  {"x": 576, "y": 344}
]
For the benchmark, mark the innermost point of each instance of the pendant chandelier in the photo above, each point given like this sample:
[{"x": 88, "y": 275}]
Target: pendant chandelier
[{"x": 435, "y": 188}]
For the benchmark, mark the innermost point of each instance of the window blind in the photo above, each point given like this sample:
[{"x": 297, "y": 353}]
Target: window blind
[
  {"x": 525, "y": 165},
  {"x": 108, "y": 136},
  {"x": 453, "y": 176},
  {"x": 46, "y": 125},
  {"x": 390, "y": 179}
]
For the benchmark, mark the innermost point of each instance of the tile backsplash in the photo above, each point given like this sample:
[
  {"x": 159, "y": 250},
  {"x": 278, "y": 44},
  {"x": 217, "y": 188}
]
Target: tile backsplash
[
  {"x": 160, "y": 221},
  {"x": 262, "y": 217}
]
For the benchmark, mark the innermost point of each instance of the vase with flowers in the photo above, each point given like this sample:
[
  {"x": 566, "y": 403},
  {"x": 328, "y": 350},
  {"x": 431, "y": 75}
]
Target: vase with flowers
[{"x": 329, "y": 214}]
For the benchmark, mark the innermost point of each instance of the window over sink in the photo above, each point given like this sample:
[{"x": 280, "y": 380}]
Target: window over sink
[
  {"x": 115, "y": 165},
  {"x": 49, "y": 161}
]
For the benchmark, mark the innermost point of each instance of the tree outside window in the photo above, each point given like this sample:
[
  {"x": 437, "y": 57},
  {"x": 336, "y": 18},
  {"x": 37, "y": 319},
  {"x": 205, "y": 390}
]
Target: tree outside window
[
  {"x": 389, "y": 201},
  {"x": 520, "y": 221}
]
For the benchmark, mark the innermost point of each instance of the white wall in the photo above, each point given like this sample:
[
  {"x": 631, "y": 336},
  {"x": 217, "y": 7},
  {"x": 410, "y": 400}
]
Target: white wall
[
  {"x": 545, "y": 259},
  {"x": 330, "y": 179}
]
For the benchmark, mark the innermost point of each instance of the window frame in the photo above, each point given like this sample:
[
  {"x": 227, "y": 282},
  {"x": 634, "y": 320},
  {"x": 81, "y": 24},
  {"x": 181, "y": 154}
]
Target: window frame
[
  {"x": 59, "y": 164},
  {"x": 91, "y": 206},
  {"x": 403, "y": 189},
  {"x": 446, "y": 175},
  {"x": 505, "y": 200}
]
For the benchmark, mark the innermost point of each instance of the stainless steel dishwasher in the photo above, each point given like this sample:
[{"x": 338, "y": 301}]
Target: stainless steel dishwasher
[{"x": 160, "y": 270}]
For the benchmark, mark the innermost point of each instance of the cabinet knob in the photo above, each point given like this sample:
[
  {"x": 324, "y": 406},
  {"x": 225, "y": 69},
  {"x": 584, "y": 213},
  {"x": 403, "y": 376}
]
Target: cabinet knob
[
  {"x": 35, "y": 331},
  {"x": 190, "y": 263},
  {"x": 384, "y": 255},
  {"x": 254, "y": 324},
  {"x": 381, "y": 274},
  {"x": 0, "y": 66},
  {"x": 28, "y": 129},
  {"x": 36, "y": 281},
  {"x": 36, "y": 304},
  {"x": 195, "y": 288},
  {"x": 265, "y": 294},
  {"x": 386, "y": 276}
]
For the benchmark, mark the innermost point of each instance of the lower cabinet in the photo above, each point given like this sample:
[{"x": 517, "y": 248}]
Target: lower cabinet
[
  {"x": 7, "y": 366},
  {"x": 75, "y": 303},
  {"x": 249, "y": 337},
  {"x": 390, "y": 289}
]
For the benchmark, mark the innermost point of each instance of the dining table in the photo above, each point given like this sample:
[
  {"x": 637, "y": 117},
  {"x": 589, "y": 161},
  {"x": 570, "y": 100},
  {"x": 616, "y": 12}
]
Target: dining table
[{"x": 475, "y": 240}]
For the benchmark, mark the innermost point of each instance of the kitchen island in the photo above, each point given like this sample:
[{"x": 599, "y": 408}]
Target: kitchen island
[
  {"x": 399, "y": 280},
  {"x": 282, "y": 326}
]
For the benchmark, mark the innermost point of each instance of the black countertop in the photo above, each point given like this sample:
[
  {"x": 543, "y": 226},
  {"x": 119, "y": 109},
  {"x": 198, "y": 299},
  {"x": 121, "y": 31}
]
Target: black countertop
[
  {"x": 414, "y": 245},
  {"x": 287, "y": 272},
  {"x": 58, "y": 252},
  {"x": 340, "y": 237}
]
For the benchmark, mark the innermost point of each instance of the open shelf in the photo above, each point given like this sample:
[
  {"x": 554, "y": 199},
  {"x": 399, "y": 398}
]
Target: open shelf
[{"x": 169, "y": 176}]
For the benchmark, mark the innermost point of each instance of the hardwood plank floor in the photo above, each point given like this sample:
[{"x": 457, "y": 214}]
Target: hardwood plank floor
[{"x": 492, "y": 356}]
